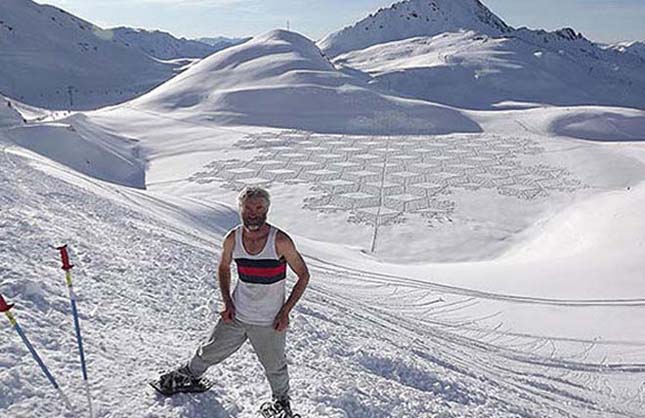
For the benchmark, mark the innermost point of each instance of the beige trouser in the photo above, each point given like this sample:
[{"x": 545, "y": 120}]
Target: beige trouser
[{"x": 267, "y": 343}]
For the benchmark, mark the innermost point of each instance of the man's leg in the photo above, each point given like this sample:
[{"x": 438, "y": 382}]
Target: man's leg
[
  {"x": 225, "y": 340},
  {"x": 269, "y": 346}
]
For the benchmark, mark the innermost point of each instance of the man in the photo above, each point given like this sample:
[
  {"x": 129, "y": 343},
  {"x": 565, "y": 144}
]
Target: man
[{"x": 257, "y": 309}]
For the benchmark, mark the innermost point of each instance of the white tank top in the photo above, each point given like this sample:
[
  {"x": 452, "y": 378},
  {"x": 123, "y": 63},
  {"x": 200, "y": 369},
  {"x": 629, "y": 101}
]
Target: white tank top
[{"x": 260, "y": 290}]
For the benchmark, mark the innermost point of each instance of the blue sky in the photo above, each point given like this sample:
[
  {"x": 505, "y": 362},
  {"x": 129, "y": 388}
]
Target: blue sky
[{"x": 599, "y": 20}]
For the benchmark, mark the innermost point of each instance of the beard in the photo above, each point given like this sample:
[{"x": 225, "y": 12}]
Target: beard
[{"x": 254, "y": 223}]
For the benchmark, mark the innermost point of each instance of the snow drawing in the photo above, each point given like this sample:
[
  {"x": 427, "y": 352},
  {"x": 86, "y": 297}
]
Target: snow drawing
[{"x": 379, "y": 180}]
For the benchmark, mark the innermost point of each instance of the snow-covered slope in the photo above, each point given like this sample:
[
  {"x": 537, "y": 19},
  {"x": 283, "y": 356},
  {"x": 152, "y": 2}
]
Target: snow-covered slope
[
  {"x": 411, "y": 18},
  {"x": 522, "y": 68},
  {"x": 281, "y": 79},
  {"x": 161, "y": 44},
  {"x": 9, "y": 116},
  {"x": 55, "y": 60},
  {"x": 79, "y": 145},
  {"x": 600, "y": 124},
  {"x": 547, "y": 330}
]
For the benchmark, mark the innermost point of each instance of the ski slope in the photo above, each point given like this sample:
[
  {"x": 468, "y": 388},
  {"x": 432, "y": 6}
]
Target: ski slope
[{"x": 545, "y": 329}]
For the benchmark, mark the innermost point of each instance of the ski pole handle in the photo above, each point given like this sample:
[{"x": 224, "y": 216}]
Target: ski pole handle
[
  {"x": 65, "y": 258},
  {"x": 4, "y": 306}
]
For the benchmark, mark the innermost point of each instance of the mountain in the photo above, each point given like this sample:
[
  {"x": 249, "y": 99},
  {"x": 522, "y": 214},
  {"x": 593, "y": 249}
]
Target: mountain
[
  {"x": 53, "y": 59},
  {"x": 407, "y": 19},
  {"x": 162, "y": 45},
  {"x": 281, "y": 79},
  {"x": 221, "y": 42},
  {"x": 460, "y": 54},
  {"x": 633, "y": 47}
]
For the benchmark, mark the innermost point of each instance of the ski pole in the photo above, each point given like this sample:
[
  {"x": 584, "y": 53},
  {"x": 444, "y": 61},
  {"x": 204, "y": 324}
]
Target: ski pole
[
  {"x": 72, "y": 297},
  {"x": 4, "y": 307}
]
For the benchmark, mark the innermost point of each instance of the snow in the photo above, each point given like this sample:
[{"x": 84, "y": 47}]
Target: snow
[
  {"x": 460, "y": 54},
  {"x": 632, "y": 47},
  {"x": 469, "y": 70},
  {"x": 161, "y": 44},
  {"x": 280, "y": 79},
  {"x": 77, "y": 145},
  {"x": 602, "y": 125},
  {"x": 9, "y": 117},
  {"x": 407, "y": 19},
  {"x": 55, "y": 60},
  {"x": 222, "y": 42},
  {"x": 483, "y": 263}
]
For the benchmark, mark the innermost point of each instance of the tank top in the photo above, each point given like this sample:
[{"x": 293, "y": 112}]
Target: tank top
[{"x": 260, "y": 290}]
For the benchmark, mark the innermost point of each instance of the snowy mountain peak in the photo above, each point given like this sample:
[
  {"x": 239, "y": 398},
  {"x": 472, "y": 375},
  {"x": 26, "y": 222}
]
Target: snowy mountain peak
[{"x": 413, "y": 18}]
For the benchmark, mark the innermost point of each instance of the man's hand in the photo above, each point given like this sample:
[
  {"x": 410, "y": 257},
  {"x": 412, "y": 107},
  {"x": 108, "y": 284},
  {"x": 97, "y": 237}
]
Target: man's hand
[
  {"x": 228, "y": 314},
  {"x": 281, "y": 322}
]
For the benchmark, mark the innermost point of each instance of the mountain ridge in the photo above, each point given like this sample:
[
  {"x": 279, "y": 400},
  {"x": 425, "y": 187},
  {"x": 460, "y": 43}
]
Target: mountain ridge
[
  {"x": 410, "y": 18},
  {"x": 636, "y": 48},
  {"x": 161, "y": 44},
  {"x": 166, "y": 46},
  {"x": 459, "y": 59},
  {"x": 51, "y": 58}
]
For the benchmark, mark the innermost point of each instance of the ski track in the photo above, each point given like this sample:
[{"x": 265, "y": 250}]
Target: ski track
[{"x": 388, "y": 279}]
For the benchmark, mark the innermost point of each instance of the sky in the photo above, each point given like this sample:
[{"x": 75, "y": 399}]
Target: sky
[{"x": 599, "y": 20}]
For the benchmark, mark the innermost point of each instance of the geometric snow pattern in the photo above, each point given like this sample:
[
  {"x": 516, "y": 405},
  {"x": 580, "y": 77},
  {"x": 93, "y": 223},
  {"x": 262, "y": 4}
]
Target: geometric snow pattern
[{"x": 379, "y": 180}]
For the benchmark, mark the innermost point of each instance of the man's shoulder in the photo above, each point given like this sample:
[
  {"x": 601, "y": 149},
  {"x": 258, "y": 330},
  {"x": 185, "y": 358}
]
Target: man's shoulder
[
  {"x": 283, "y": 242},
  {"x": 281, "y": 236},
  {"x": 230, "y": 235}
]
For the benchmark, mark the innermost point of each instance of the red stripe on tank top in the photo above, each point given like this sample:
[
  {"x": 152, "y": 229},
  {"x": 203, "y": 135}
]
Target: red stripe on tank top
[{"x": 262, "y": 271}]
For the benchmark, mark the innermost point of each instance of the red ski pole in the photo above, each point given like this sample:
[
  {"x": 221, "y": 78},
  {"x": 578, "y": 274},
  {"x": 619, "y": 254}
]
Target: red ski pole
[{"x": 79, "y": 339}]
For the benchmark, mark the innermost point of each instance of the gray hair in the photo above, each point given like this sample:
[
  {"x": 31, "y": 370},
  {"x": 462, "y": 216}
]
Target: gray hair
[{"x": 250, "y": 192}]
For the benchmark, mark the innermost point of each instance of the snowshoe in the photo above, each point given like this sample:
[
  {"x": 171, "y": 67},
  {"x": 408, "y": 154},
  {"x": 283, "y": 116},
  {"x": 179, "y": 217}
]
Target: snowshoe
[
  {"x": 277, "y": 409},
  {"x": 178, "y": 381}
]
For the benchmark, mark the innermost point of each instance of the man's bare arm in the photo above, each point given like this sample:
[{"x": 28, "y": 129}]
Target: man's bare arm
[
  {"x": 224, "y": 276},
  {"x": 287, "y": 249}
]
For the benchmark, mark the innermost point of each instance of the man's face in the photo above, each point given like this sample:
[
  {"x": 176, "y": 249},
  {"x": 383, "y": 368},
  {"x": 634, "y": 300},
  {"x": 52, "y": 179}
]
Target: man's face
[{"x": 254, "y": 213}]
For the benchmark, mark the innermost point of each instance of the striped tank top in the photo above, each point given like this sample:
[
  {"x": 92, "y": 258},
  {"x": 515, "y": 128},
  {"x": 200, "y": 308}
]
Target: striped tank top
[{"x": 260, "y": 290}]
